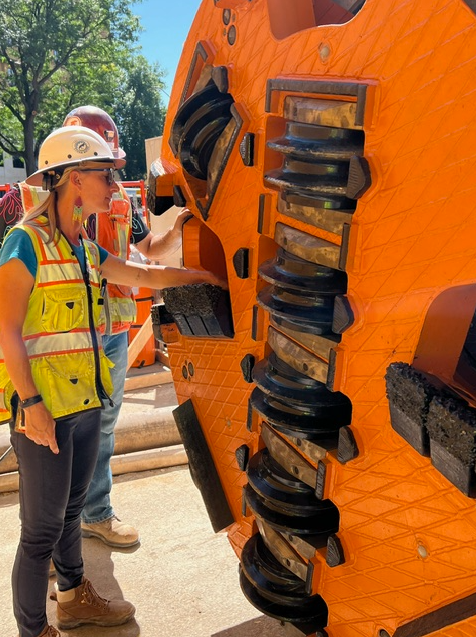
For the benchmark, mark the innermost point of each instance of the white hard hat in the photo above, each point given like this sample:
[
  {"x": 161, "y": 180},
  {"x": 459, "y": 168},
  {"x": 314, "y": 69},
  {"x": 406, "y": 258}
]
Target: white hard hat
[{"x": 70, "y": 146}]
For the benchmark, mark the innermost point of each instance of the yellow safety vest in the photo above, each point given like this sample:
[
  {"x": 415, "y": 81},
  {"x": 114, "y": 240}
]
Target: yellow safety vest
[
  {"x": 60, "y": 332},
  {"x": 113, "y": 230}
]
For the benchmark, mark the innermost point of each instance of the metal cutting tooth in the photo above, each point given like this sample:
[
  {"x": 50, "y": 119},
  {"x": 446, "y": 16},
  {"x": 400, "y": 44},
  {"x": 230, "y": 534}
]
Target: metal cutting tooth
[
  {"x": 274, "y": 376},
  {"x": 310, "y": 423},
  {"x": 285, "y": 502},
  {"x": 292, "y": 272},
  {"x": 317, "y": 159},
  {"x": 277, "y": 591},
  {"x": 197, "y": 127},
  {"x": 302, "y": 292}
]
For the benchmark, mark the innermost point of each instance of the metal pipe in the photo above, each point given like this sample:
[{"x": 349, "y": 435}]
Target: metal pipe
[{"x": 135, "y": 432}]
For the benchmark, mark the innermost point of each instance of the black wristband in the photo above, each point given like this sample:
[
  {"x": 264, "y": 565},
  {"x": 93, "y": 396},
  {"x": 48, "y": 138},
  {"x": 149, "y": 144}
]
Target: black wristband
[{"x": 28, "y": 402}]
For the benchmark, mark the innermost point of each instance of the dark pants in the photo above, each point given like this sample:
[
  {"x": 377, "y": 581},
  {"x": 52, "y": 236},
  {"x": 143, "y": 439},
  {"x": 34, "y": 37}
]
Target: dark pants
[{"x": 53, "y": 490}]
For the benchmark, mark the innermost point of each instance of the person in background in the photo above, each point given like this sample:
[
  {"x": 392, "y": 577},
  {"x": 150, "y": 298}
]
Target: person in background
[
  {"x": 54, "y": 374},
  {"x": 114, "y": 230}
]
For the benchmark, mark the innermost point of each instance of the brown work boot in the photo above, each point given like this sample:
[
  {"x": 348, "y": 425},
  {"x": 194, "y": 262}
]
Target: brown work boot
[
  {"x": 82, "y": 605},
  {"x": 112, "y": 532},
  {"x": 49, "y": 631}
]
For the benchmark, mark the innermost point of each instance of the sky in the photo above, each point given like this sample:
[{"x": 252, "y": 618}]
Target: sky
[{"x": 166, "y": 25}]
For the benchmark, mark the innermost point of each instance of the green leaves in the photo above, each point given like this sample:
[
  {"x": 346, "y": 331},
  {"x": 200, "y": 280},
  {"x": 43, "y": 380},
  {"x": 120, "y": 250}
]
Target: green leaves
[
  {"x": 140, "y": 112},
  {"x": 59, "y": 54}
]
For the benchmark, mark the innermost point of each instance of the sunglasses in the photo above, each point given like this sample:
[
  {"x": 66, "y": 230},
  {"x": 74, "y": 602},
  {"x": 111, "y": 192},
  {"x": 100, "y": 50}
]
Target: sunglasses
[{"x": 107, "y": 172}]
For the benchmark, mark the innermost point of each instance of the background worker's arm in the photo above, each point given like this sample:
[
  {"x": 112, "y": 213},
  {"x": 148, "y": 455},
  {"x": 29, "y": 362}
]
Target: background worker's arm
[
  {"x": 16, "y": 283},
  {"x": 157, "y": 277},
  {"x": 11, "y": 211},
  {"x": 158, "y": 246}
]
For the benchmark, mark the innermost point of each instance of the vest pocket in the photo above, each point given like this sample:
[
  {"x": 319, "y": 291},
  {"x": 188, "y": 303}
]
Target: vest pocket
[
  {"x": 6, "y": 390},
  {"x": 70, "y": 383},
  {"x": 63, "y": 309},
  {"x": 117, "y": 318},
  {"x": 105, "y": 365},
  {"x": 99, "y": 313}
]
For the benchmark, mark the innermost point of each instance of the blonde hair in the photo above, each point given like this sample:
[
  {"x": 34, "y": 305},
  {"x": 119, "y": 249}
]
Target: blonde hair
[{"x": 49, "y": 208}]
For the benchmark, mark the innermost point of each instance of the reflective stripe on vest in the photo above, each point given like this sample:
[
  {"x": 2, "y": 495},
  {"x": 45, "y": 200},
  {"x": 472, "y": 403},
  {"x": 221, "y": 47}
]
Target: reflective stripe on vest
[
  {"x": 31, "y": 196},
  {"x": 56, "y": 331},
  {"x": 113, "y": 231}
]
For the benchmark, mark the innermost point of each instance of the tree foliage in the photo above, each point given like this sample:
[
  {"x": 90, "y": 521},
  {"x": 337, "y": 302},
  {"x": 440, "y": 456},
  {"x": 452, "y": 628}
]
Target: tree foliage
[
  {"x": 59, "y": 54},
  {"x": 139, "y": 112}
]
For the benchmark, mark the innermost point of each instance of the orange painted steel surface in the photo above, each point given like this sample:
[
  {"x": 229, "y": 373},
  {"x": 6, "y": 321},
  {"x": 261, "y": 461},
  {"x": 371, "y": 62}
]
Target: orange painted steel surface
[
  {"x": 144, "y": 299},
  {"x": 408, "y": 69}
]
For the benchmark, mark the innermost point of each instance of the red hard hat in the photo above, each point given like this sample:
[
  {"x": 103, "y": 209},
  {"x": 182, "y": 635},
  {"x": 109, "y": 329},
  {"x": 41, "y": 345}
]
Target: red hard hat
[{"x": 99, "y": 121}]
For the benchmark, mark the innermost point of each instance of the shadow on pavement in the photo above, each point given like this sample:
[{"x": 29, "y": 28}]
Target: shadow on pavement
[{"x": 259, "y": 627}]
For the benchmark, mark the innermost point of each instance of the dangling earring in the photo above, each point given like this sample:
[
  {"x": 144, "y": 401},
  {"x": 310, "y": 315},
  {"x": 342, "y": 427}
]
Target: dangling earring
[{"x": 78, "y": 209}]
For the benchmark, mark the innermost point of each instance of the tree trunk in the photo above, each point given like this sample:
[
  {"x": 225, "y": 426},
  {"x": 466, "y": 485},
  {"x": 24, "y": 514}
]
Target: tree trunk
[{"x": 29, "y": 142}]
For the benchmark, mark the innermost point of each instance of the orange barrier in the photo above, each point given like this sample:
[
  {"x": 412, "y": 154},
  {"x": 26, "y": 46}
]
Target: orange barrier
[
  {"x": 144, "y": 300},
  {"x": 137, "y": 184},
  {"x": 5, "y": 187}
]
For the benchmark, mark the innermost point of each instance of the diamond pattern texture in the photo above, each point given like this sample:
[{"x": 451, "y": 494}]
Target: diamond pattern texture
[{"x": 409, "y": 536}]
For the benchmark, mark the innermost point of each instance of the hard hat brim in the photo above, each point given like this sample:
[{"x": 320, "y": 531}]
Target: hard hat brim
[
  {"x": 36, "y": 178},
  {"x": 120, "y": 157}
]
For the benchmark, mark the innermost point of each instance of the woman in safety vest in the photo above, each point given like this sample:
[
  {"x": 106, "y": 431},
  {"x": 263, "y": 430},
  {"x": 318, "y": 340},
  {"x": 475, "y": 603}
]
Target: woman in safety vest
[
  {"x": 113, "y": 230},
  {"x": 54, "y": 376}
]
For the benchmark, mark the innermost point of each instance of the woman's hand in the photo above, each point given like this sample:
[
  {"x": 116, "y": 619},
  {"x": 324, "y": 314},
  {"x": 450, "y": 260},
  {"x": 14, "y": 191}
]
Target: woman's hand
[
  {"x": 209, "y": 277},
  {"x": 183, "y": 216},
  {"x": 40, "y": 427}
]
